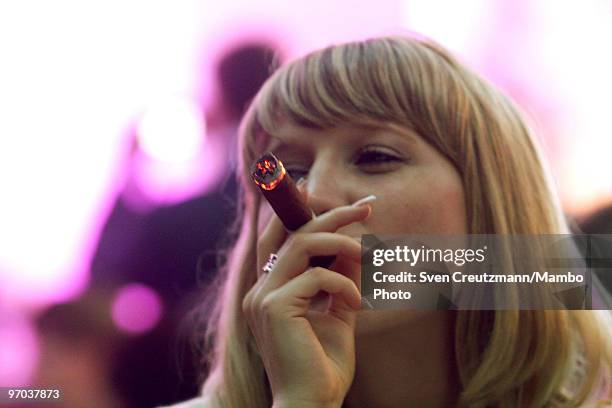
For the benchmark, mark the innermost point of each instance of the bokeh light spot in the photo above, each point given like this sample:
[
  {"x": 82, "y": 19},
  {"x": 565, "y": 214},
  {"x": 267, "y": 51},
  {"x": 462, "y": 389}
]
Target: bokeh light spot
[
  {"x": 136, "y": 308},
  {"x": 172, "y": 130},
  {"x": 18, "y": 350}
]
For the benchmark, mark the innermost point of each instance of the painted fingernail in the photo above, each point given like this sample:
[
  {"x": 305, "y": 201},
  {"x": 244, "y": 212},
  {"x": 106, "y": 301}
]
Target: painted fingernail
[
  {"x": 364, "y": 200},
  {"x": 365, "y": 304}
]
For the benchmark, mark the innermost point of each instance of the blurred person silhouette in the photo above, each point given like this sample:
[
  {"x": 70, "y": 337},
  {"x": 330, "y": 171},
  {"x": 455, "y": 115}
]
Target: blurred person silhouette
[
  {"x": 173, "y": 249},
  {"x": 162, "y": 248},
  {"x": 78, "y": 345}
]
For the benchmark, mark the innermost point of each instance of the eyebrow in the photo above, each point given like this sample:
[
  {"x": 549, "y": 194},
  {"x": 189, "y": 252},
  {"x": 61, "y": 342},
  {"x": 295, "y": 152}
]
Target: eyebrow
[{"x": 278, "y": 144}]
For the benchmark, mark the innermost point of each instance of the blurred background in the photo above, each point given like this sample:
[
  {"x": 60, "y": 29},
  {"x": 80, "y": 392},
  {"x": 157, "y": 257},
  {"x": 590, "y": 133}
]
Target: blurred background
[{"x": 117, "y": 119}]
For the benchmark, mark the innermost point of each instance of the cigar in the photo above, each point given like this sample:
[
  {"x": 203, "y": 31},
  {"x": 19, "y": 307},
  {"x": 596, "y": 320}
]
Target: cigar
[{"x": 285, "y": 199}]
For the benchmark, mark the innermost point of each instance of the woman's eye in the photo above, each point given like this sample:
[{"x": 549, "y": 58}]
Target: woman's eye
[{"x": 375, "y": 157}]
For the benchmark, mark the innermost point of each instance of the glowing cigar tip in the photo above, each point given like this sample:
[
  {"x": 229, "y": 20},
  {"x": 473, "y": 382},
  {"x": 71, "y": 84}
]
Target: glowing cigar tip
[
  {"x": 268, "y": 171},
  {"x": 364, "y": 200}
]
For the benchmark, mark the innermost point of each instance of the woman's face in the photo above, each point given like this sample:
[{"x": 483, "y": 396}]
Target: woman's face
[{"x": 418, "y": 190}]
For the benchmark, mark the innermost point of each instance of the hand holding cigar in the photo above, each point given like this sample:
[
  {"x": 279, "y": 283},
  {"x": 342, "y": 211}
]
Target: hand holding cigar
[
  {"x": 279, "y": 189},
  {"x": 288, "y": 203}
]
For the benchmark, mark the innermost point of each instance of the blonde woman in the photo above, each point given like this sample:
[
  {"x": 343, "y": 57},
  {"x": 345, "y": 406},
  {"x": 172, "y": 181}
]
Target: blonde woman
[{"x": 444, "y": 152}]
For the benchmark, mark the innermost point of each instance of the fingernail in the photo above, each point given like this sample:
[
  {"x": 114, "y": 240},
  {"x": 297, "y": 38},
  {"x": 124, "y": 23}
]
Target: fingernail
[
  {"x": 364, "y": 200},
  {"x": 365, "y": 304},
  {"x": 300, "y": 181}
]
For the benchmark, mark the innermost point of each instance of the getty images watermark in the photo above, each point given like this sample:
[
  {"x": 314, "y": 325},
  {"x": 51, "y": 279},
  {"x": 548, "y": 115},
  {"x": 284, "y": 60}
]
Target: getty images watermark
[{"x": 487, "y": 272}]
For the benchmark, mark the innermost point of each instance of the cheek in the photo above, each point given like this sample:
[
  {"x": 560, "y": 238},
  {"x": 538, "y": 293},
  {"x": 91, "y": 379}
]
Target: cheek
[
  {"x": 429, "y": 208},
  {"x": 448, "y": 212}
]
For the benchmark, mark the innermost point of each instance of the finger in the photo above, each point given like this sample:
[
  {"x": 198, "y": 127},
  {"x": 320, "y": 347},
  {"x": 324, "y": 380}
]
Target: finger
[
  {"x": 274, "y": 234},
  {"x": 299, "y": 291},
  {"x": 334, "y": 219},
  {"x": 270, "y": 241},
  {"x": 247, "y": 301},
  {"x": 294, "y": 256}
]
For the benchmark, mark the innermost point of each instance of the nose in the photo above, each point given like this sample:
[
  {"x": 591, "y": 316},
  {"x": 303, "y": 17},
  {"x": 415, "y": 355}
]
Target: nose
[{"x": 325, "y": 188}]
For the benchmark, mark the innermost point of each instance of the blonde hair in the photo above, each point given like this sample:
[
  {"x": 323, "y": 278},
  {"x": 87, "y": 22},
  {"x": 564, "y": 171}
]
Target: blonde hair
[{"x": 529, "y": 358}]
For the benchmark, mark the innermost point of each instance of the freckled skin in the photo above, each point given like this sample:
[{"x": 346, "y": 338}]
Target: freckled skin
[{"x": 420, "y": 193}]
